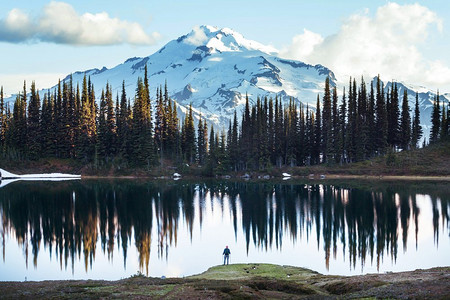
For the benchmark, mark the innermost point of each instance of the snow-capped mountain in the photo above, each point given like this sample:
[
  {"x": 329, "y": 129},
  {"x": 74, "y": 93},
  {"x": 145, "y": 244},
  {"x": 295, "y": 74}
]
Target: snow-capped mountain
[{"x": 215, "y": 68}]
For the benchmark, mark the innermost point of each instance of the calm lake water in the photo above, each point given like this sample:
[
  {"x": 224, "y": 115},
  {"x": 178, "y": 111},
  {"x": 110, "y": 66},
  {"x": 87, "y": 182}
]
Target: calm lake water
[{"x": 114, "y": 229}]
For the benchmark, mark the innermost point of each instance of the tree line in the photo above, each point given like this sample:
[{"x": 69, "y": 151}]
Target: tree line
[{"x": 69, "y": 123}]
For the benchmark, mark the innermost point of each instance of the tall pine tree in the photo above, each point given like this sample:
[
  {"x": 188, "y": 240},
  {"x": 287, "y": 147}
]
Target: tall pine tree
[
  {"x": 405, "y": 124},
  {"x": 380, "y": 119},
  {"x": 326, "y": 122},
  {"x": 34, "y": 119},
  {"x": 435, "y": 120},
  {"x": 416, "y": 131}
]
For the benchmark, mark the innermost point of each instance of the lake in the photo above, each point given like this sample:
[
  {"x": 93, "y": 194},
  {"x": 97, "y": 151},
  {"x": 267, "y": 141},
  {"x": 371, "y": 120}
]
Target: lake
[{"x": 112, "y": 229}]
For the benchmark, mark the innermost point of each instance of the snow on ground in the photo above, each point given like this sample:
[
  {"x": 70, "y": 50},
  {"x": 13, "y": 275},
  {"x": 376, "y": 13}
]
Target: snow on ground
[{"x": 8, "y": 175}]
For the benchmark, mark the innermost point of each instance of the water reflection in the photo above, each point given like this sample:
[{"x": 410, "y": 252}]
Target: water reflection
[{"x": 70, "y": 219}]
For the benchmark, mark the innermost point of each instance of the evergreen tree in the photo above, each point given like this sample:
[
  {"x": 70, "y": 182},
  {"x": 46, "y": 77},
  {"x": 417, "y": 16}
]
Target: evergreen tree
[
  {"x": 270, "y": 131},
  {"x": 46, "y": 125},
  {"x": 448, "y": 120},
  {"x": 34, "y": 116},
  {"x": 326, "y": 122},
  {"x": 246, "y": 136},
  {"x": 18, "y": 132},
  {"x": 110, "y": 123},
  {"x": 416, "y": 131},
  {"x": 301, "y": 153},
  {"x": 159, "y": 121},
  {"x": 166, "y": 121},
  {"x": 291, "y": 134},
  {"x": 335, "y": 129},
  {"x": 317, "y": 135},
  {"x": 370, "y": 121},
  {"x": 233, "y": 146},
  {"x": 170, "y": 129},
  {"x": 263, "y": 132},
  {"x": 3, "y": 123},
  {"x": 254, "y": 138},
  {"x": 393, "y": 118},
  {"x": 205, "y": 140},
  {"x": 102, "y": 143},
  {"x": 142, "y": 126},
  {"x": 310, "y": 136},
  {"x": 212, "y": 154},
  {"x": 65, "y": 137},
  {"x": 278, "y": 133},
  {"x": 405, "y": 123},
  {"x": 106, "y": 130},
  {"x": 188, "y": 140},
  {"x": 352, "y": 123},
  {"x": 76, "y": 124},
  {"x": 435, "y": 120},
  {"x": 201, "y": 142},
  {"x": 87, "y": 127},
  {"x": 117, "y": 145},
  {"x": 221, "y": 152},
  {"x": 444, "y": 124},
  {"x": 19, "y": 128},
  {"x": 123, "y": 125},
  {"x": 93, "y": 110},
  {"x": 380, "y": 119},
  {"x": 361, "y": 121},
  {"x": 342, "y": 137},
  {"x": 71, "y": 116}
]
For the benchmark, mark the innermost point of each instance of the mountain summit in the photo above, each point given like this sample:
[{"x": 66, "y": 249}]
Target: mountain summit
[{"x": 223, "y": 40}]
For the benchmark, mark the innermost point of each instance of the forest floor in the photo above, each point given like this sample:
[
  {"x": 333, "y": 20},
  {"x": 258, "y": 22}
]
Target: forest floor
[{"x": 245, "y": 281}]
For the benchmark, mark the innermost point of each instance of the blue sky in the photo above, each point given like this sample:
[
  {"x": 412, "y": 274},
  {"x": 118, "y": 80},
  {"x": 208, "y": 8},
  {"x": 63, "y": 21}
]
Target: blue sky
[{"x": 402, "y": 40}]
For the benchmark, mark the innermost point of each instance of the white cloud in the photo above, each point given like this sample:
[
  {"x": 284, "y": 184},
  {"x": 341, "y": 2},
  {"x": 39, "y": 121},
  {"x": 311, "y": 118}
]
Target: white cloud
[
  {"x": 303, "y": 44},
  {"x": 196, "y": 37},
  {"x": 386, "y": 44},
  {"x": 60, "y": 23}
]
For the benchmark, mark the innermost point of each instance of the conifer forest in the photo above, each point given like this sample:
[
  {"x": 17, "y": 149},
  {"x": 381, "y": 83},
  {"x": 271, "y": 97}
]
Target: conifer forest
[{"x": 361, "y": 122}]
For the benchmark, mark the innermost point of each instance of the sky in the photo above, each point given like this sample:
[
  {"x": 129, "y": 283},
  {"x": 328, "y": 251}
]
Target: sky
[{"x": 407, "y": 41}]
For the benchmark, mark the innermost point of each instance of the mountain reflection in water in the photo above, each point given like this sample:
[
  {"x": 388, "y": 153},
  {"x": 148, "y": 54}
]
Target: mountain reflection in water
[{"x": 71, "y": 219}]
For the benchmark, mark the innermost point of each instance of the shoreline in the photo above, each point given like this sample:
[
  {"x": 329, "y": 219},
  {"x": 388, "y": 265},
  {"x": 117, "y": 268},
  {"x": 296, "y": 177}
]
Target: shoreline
[
  {"x": 319, "y": 177},
  {"x": 389, "y": 177},
  {"x": 253, "y": 280}
]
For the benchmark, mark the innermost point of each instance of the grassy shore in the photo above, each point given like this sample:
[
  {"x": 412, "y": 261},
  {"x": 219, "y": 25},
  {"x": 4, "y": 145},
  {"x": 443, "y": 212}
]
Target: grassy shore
[
  {"x": 432, "y": 162},
  {"x": 245, "y": 281}
]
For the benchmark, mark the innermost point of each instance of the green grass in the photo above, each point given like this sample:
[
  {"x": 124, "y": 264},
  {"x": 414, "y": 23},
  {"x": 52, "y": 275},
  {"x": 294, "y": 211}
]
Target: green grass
[{"x": 248, "y": 271}]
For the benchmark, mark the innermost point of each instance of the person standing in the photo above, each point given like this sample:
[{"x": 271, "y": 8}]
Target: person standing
[{"x": 226, "y": 255}]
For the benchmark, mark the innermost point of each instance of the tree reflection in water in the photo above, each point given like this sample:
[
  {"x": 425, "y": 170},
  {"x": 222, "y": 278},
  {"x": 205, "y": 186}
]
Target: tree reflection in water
[{"x": 365, "y": 221}]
